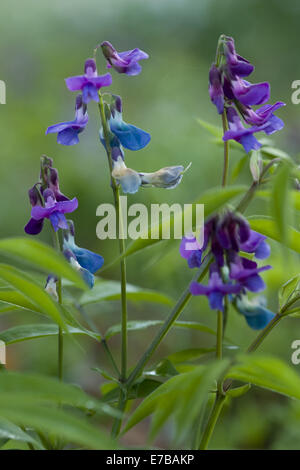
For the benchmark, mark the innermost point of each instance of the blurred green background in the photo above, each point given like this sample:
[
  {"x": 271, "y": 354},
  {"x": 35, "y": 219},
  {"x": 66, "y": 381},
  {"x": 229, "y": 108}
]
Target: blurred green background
[{"x": 44, "y": 42}]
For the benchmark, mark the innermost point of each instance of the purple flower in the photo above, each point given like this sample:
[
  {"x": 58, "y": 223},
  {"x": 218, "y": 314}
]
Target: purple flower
[
  {"x": 191, "y": 251},
  {"x": 53, "y": 210},
  {"x": 250, "y": 94},
  {"x": 256, "y": 244},
  {"x": 264, "y": 117},
  {"x": 215, "y": 291},
  {"x": 231, "y": 231},
  {"x": 90, "y": 82},
  {"x": 67, "y": 132},
  {"x": 246, "y": 273},
  {"x": 123, "y": 62},
  {"x": 239, "y": 133},
  {"x": 215, "y": 88},
  {"x": 34, "y": 227},
  {"x": 236, "y": 64}
]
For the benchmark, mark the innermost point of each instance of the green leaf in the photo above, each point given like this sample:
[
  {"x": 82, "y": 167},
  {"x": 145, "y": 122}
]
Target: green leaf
[
  {"x": 279, "y": 201},
  {"x": 239, "y": 391},
  {"x": 59, "y": 423},
  {"x": 216, "y": 131},
  {"x": 237, "y": 169},
  {"x": 272, "y": 152},
  {"x": 17, "y": 299},
  {"x": 41, "y": 299},
  {"x": 41, "y": 256},
  {"x": 182, "y": 397},
  {"x": 268, "y": 227},
  {"x": 141, "y": 389},
  {"x": 10, "y": 430},
  {"x": 40, "y": 330},
  {"x": 267, "y": 372},
  {"x": 213, "y": 199},
  {"x": 111, "y": 290},
  {"x": 287, "y": 289},
  {"x": 34, "y": 388},
  {"x": 143, "y": 324},
  {"x": 294, "y": 197}
]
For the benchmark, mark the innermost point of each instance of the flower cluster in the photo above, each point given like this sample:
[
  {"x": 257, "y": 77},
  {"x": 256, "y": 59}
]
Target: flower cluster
[
  {"x": 231, "y": 93},
  {"x": 48, "y": 202},
  {"x": 123, "y": 135},
  {"x": 231, "y": 273},
  {"x": 89, "y": 85}
]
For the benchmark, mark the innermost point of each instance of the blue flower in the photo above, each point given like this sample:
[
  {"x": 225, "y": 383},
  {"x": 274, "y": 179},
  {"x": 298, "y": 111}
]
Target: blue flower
[
  {"x": 130, "y": 137},
  {"x": 255, "y": 312},
  {"x": 83, "y": 260}
]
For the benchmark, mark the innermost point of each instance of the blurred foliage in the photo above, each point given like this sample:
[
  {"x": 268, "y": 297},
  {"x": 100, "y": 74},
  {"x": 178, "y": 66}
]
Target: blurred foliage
[{"x": 44, "y": 42}]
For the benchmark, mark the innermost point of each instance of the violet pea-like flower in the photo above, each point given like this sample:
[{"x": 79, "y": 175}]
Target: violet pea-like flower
[
  {"x": 215, "y": 88},
  {"x": 241, "y": 134},
  {"x": 123, "y": 62},
  {"x": 246, "y": 273},
  {"x": 265, "y": 117},
  {"x": 54, "y": 211},
  {"x": 90, "y": 82},
  {"x": 67, "y": 132},
  {"x": 215, "y": 291},
  {"x": 250, "y": 94},
  {"x": 236, "y": 64},
  {"x": 256, "y": 243},
  {"x": 191, "y": 250}
]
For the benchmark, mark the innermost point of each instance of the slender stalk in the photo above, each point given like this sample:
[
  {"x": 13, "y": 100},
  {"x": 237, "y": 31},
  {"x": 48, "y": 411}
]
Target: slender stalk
[
  {"x": 264, "y": 333},
  {"x": 215, "y": 413},
  {"x": 60, "y": 331},
  {"x": 120, "y": 239},
  {"x": 178, "y": 308},
  {"x": 221, "y": 397},
  {"x": 219, "y": 347},
  {"x": 120, "y": 235},
  {"x": 226, "y": 150},
  {"x": 110, "y": 356}
]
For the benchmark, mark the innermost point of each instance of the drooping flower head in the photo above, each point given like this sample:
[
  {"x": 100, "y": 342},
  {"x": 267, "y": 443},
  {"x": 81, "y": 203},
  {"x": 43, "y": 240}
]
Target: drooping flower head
[
  {"x": 47, "y": 201},
  {"x": 83, "y": 260},
  {"x": 90, "y": 82},
  {"x": 67, "y": 132},
  {"x": 123, "y": 62},
  {"x": 228, "y": 89},
  {"x": 228, "y": 236}
]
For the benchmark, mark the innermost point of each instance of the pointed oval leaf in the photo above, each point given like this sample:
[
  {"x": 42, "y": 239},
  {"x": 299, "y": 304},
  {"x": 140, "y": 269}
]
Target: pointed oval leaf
[
  {"x": 42, "y": 257},
  {"x": 41, "y": 299}
]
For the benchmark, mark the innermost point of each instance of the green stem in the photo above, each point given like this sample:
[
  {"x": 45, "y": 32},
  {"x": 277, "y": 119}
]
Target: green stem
[
  {"x": 110, "y": 356},
  {"x": 264, "y": 333},
  {"x": 120, "y": 231},
  {"x": 215, "y": 413},
  {"x": 60, "y": 331},
  {"x": 220, "y": 398},
  {"x": 226, "y": 150},
  {"x": 219, "y": 347},
  {"x": 178, "y": 308}
]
